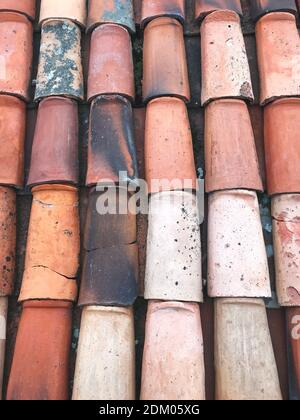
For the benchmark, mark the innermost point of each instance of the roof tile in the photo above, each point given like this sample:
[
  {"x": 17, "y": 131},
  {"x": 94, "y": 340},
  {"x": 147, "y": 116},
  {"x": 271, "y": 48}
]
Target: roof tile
[
  {"x": 111, "y": 11},
  {"x": 152, "y": 9},
  {"x": 26, "y": 7},
  {"x": 261, "y": 7},
  {"x": 74, "y": 10},
  {"x": 3, "y": 322},
  {"x": 204, "y": 7},
  {"x": 293, "y": 317}
]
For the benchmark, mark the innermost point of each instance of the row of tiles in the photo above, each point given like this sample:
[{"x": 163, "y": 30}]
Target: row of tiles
[{"x": 242, "y": 344}]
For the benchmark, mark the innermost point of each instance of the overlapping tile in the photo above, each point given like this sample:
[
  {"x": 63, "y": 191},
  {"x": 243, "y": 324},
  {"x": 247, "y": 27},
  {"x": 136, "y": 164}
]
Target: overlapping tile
[
  {"x": 293, "y": 325},
  {"x": 26, "y": 7},
  {"x": 105, "y": 366},
  {"x": 74, "y": 10},
  {"x": 173, "y": 363},
  {"x": 152, "y": 9},
  {"x": 261, "y": 7},
  {"x": 204, "y": 7}
]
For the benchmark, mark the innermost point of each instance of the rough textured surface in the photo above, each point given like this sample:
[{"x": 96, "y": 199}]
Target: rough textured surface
[
  {"x": 111, "y": 11},
  {"x": 204, "y": 7},
  {"x": 3, "y": 321},
  {"x": 74, "y": 10},
  {"x": 152, "y": 9}
]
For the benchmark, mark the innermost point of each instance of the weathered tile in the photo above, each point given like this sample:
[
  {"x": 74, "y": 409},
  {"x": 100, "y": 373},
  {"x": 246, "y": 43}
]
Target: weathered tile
[
  {"x": 105, "y": 365},
  {"x": 293, "y": 326},
  {"x": 152, "y": 9},
  {"x": 173, "y": 363},
  {"x": 231, "y": 158},
  {"x": 119, "y": 12},
  {"x": 204, "y": 7},
  {"x": 26, "y": 7},
  {"x": 40, "y": 368},
  {"x": 74, "y": 10},
  {"x": 54, "y": 157},
  {"x": 244, "y": 358},
  {"x": 237, "y": 260},
  {"x": 262, "y": 7}
]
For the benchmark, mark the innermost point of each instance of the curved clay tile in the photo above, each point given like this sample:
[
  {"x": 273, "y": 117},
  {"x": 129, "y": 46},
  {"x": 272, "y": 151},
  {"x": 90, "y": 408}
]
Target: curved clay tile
[
  {"x": 261, "y": 7},
  {"x": 16, "y": 54},
  {"x": 26, "y": 7},
  {"x": 40, "y": 368},
  {"x": 244, "y": 358},
  {"x": 60, "y": 68},
  {"x": 111, "y": 64},
  {"x": 165, "y": 65},
  {"x": 74, "y": 10},
  {"x": 169, "y": 155},
  {"x": 173, "y": 269},
  {"x": 105, "y": 365},
  {"x": 111, "y": 146},
  {"x": 286, "y": 237},
  {"x": 282, "y": 146},
  {"x": 173, "y": 363},
  {"x": 7, "y": 240},
  {"x": 293, "y": 319},
  {"x": 152, "y": 9},
  {"x": 53, "y": 245},
  {"x": 12, "y": 134},
  {"x": 54, "y": 156},
  {"x": 230, "y": 154},
  {"x": 225, "y": 67},
  {"x": 119, "y": 12},
  {"x": 3, "y": 321},
  {"x": 237, "y": 260},
  {"x": 278, "y": 51},
  {"x": 204, "y": 7}
]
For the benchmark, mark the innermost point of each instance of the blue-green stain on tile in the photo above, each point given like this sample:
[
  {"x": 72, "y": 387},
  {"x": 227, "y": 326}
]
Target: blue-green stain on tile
[{"x": 122, "y": 14}]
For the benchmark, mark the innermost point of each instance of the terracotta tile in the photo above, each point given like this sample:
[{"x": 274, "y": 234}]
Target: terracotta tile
[
  {"x": 111, "y": 148},
  {"x": 12, "y": 133},
  {"x": 111, "y": 64},
  {"x": 244, "y": 358},
  {"x": 16, "y": 54},
  {"x": 105, "y": 365},
  {"x": 74, "y": 10},
  {"x": 293, "y": 322},
  {"x": 165, "y": 65},
  {"x": 286, "y": 236},
  {"x": 53, "y": 245},
  {"x": 278, "y": 51},
  {"x": 231, "y": 158},
  {"x": 40, "y": 364},
  {"x": 26, "y": 7},
  {"x": 282, "y": 127},
  {"x": 152, "y": 9},
  {"x": 60, "y": 57},
  {"x": 7, "y": 240},
  {"x": 237, "y": 260},
  {"x": 261, "y": 7},
  {"x": 105, "y": 230},
  {"x": 111, "y": 11},
  {"x": 54, "y": 157},
  {"x": 173, "y": 363},
  {"x": 169, "y": 155},
  {"x": 225, "y": 67},
  {"x": 173, "y": 270},
  {"x": 204, "y": 7},
  {"x": 110, "y": 276},
  {"x": 3, "y": 321}
]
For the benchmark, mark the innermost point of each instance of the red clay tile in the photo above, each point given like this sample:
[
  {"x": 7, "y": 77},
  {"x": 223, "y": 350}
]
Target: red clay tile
[
  {"x": 111, "y": 64},
  {"x": 7, "y": 240},
  {"x": 261, "y": 7},
  {"x": 278, "y": 51},
  {"x": 244, "y": 358},
  {"x": 3, "y": 321},
  {"x": 105, "y": 230},
  {"x": 231, "y": 158},
  {"x": 173, "y": 269},
  {"x": 225, "y": 67},
  {"x": 293, "y": 319},
  {"x": 111, "y": 11},
  {"x": 237, "y": 260},
  {"x": 53, "y": 245},
  {"x": 74, "y": 10},
  {"x": 152, "y": 9},
  {"x": 111, "y": 148},
  {"x": 40, "y": 369},
  {"x": 169, "y": 155},
  {"x": 12, "y": 134},
  {"x": 105, "y": 365},
  {"x": 165, "y": 65},
  {"x": 60, "y": 68},
  {"x": 173, "y": 363},
  {"x": 204, "y": 7},
  {"x": 282, "y": 128},
  {"x": 26, "y": 7},
  {"x": 110, "y": 276},
  {"x": 16, "y": 54},
  {"x": 286, "y": 237},
  {"x": 54, "y": 157}
]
